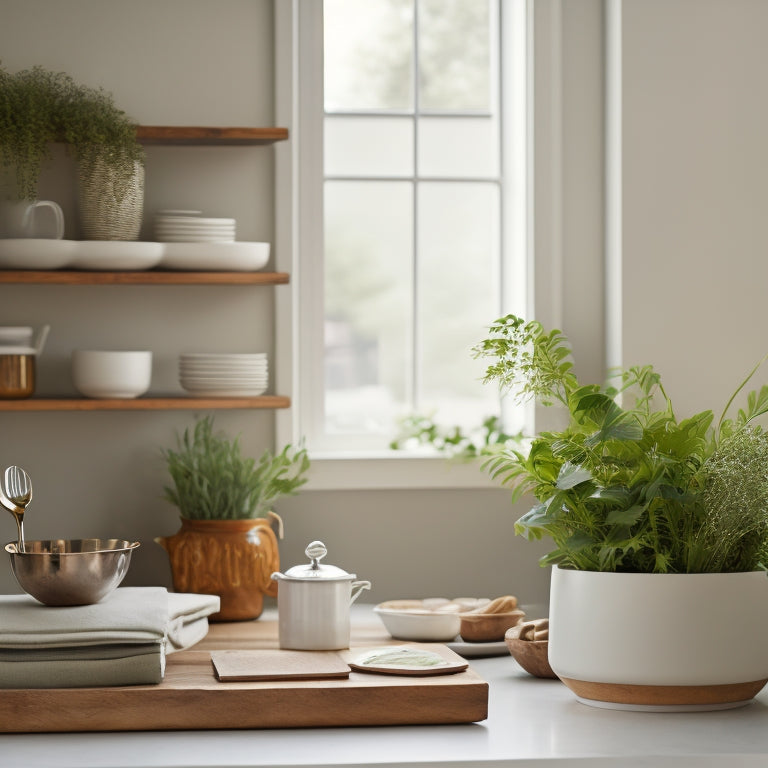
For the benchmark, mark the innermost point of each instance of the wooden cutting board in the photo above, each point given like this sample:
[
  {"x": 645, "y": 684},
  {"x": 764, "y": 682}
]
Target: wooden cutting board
[{"x": 191, "y": 698}]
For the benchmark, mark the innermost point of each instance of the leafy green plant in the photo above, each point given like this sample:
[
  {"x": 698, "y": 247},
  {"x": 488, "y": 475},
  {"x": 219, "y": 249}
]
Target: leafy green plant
[
  {"x": 417, "y": 431},
  {"x": 626, "y": 486},
  {"x": 212, "y": 480},
  {"x": 38, "y": 107}
]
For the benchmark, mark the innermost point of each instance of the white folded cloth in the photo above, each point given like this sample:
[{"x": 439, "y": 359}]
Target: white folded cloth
[
  {"x": 188, "y": 619},
  {"x": 128, "y": 615},
  {"x": 122, "y": 640}
]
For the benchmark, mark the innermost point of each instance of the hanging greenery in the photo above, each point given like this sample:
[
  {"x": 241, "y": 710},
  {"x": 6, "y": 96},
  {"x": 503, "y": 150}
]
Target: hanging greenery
[{"x": 38, "y": 107}]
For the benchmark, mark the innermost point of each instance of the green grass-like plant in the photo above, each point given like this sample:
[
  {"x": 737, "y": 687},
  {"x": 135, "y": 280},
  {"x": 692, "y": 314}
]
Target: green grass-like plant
[
  {"x": 212, "y": 480},
  {"x": 626, "y": 486}
]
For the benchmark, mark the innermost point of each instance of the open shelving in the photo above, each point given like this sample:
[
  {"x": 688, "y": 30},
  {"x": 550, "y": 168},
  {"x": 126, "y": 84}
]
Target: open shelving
[{"x": 171, "y": 136}]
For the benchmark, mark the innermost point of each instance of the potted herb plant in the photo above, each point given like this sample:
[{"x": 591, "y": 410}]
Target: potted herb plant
[
  {"x": 38, "y": 107},
  {"x": 659, "y": 594},
  {"x": 226, "y": 545}
]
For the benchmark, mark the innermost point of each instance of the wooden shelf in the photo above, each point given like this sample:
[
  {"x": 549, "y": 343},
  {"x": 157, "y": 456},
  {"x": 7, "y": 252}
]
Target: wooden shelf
[
  {"x": 172, "y": 403},
  {"x": 77, "y": 277},
  {"x": 199, "y": 135}
]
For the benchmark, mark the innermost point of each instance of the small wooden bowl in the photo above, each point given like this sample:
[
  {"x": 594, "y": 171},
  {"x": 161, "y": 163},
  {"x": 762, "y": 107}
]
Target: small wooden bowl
[
  {"x": 488, "y": 627},
  {"x": 531, "y": 655}
]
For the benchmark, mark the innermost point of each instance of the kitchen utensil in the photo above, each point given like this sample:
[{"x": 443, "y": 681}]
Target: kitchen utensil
[
  {"x": 119, "y": 374},
  {"x": 313, "y": 603},
  {"x": 18, "y": 490},
  {"x": 71, "y": 571}
]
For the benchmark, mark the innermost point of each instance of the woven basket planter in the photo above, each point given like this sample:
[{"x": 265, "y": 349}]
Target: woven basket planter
[{"x": 110, "y": 209}]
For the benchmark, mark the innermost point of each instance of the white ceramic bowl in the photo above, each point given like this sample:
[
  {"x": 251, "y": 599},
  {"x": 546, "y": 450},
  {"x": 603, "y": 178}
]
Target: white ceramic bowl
[
  {"x": 407, "y": 620},
  {"x": 121, "y": 374}
]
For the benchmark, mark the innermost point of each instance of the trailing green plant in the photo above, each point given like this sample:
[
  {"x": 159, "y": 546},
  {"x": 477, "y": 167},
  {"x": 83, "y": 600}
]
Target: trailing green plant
[
  {"x": 38, "y": 107},
  {"x": 417, "y": 431},
  {"x": 212, "y": 480},
  {"x": 626, "y": 486}
]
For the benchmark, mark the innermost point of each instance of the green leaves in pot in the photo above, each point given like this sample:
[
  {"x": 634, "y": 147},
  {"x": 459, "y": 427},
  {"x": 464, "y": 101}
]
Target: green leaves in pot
[
  {"x": 212, "y": 480},
  {"x": 626, "y": 486}
]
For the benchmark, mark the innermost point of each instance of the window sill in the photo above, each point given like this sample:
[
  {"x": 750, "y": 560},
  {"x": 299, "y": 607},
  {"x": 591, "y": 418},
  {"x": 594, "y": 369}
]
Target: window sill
[{"x": 394, "y": 471}]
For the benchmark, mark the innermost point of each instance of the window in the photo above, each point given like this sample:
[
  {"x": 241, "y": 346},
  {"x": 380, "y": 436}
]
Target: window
[{"x": 412, "y": 211}]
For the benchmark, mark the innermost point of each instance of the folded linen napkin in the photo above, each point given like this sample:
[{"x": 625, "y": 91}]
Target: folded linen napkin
[
  {"x": 188, "y": 619},
  {"x": 122, "y": 640},
  {"x": 128, "y": 615},
  {"x": 83, "y": 666}
]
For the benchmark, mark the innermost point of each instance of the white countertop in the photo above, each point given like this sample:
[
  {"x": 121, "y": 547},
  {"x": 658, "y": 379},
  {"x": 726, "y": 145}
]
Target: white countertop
[{"x": 531, "y": 723}]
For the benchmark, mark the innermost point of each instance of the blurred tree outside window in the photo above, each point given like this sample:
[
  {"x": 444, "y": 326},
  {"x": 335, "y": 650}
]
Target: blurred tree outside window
[{"x": 417, "y": 250}]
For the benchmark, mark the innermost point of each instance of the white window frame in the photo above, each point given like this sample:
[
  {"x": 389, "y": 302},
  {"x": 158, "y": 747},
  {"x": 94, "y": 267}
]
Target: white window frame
[{"x": 299, "y": 184}]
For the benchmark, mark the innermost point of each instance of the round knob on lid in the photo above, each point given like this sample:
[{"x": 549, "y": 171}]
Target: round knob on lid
[{"x": 316, "y": 551}]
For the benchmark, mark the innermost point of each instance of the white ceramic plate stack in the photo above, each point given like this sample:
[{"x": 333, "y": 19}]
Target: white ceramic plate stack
[
  {"x": 204, "y": 374},
  {"x": 191, "y": 227}
]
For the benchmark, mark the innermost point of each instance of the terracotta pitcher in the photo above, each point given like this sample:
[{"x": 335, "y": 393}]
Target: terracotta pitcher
[{"x": 233, "y": 559}]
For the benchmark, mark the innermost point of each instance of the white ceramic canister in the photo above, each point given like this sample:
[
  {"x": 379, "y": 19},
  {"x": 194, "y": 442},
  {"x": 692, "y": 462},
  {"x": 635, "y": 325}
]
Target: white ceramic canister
[{"x": 313, "y": 602}]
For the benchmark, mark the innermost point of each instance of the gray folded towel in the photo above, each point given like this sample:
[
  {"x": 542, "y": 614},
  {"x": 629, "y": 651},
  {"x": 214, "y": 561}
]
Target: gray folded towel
[{"x": 122, "y": 640}]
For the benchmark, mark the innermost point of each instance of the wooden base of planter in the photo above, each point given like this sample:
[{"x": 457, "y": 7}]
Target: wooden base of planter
[{"x": 667, "y": 696}]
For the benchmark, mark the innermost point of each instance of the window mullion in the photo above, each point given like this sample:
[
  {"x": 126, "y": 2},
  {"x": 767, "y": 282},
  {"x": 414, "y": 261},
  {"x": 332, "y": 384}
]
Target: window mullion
[{"x": 415, "y": 343}]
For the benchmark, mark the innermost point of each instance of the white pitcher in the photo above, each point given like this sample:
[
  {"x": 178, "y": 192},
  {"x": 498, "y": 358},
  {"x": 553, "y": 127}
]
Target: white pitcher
[{"x": 26, "y": 218}]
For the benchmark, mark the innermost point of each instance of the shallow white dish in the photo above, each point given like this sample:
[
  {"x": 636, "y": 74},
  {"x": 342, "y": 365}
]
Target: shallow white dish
[
  {"x": 116, "y": 254},
  {"x": 184, "y": 220},
  {"x": 229, "y": 370},
  {"x": 419, "y": 625},
  {"x": 228, "y": 356},
  {"x": 195, "y": 238},
  {"x": 478, "y": 650},
  {"x": 36, "y": 253},
  {"x": 227, "y": 257},
  {"x": 209, "y": 392}
]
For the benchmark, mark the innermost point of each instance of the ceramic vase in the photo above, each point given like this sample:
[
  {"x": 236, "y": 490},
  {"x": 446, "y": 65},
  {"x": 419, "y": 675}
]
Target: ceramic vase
[
  {"x": 660, "y": 641},
  {"x": 233, "y": 559},
  {"x": 110, "y": 208}
]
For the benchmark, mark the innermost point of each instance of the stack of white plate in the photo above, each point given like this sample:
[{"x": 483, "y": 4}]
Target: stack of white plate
[
  {"x": 206, "y": 374},
  {"x": 191, "y": 227}
]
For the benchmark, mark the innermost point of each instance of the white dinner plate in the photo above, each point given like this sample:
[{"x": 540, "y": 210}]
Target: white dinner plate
[
  {"x": 223, "y": 356},
  {"x": 207, "y": 392}
]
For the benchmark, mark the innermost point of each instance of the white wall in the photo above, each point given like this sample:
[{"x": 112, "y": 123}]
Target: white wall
[
  {"x": 695, "y": 122},
  {"x": 100, "y": 474}
]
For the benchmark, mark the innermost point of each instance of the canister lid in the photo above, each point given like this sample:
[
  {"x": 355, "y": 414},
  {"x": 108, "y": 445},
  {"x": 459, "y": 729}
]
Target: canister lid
[{"x": 314, "y": 571}]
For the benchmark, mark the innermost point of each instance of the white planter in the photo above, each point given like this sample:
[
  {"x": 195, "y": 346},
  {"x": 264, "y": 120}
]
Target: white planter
[{"x": 660, "y": 641}]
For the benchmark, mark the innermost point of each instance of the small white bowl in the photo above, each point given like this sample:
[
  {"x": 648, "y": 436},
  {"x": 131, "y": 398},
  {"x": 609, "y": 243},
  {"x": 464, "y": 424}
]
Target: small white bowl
[
  {"x": 408, "y": 620},
  {"x": 119, "y": 374}
]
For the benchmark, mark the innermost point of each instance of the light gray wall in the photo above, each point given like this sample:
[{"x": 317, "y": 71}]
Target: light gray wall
[
  {"x": 695, "y": 123},
  {"x": 693, "y": 269}
]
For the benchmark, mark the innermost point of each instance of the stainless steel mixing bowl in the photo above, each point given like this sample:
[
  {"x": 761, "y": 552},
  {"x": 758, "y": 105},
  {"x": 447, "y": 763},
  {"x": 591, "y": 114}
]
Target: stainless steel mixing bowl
[{"x": 71, "y": 571}]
